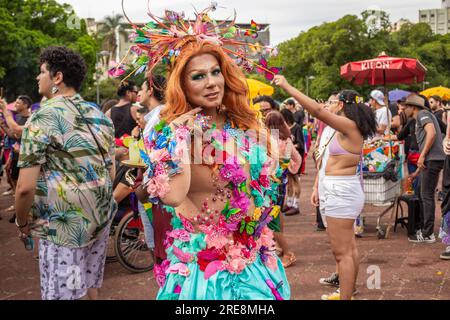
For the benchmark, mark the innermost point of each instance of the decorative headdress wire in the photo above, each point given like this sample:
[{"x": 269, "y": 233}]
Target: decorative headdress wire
[{"x": 163, "y": 38}]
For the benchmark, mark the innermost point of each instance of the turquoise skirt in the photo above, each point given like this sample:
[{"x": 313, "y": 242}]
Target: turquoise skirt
[{"x": 255, "y": 282}]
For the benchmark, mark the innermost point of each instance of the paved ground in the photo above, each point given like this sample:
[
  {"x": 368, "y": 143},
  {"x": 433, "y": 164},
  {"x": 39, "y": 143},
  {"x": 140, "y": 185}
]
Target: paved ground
[{"x": 407, "y": 271}]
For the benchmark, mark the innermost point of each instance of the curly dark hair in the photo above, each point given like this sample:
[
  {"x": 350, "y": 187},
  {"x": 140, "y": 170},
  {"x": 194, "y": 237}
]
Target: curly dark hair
[
  {"x": 158, "y": 83},
  {"x": 268, "y": 99},
  {"x": 357, "y": 111},
  {"x": 68, "y": 62},
  {"x": 124, "y": 87},
  {"x": 26, "y": 99}
]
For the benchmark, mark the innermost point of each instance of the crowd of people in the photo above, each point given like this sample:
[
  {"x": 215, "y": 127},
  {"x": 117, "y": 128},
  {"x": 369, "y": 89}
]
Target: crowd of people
[{"x": 220, "y": 175}]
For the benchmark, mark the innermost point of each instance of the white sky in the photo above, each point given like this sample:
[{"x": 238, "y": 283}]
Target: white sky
[{"x": 287, "y": 17}]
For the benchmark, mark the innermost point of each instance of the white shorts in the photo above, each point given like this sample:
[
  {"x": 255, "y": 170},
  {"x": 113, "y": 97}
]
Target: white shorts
[
  {"x": 67, "y": 274},
  {"x": 341, "y": 197}
]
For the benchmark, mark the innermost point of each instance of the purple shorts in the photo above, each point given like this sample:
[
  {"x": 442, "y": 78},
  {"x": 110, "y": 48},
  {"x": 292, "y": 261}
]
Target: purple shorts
[{"x": 67, "y": 274}]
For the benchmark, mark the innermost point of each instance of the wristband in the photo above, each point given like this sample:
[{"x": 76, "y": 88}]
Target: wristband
[{"x": 20, "y": 227}]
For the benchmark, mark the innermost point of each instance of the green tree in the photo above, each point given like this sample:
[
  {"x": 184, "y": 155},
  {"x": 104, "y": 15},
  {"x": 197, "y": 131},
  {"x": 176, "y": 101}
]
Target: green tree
[
  {"x": 28, "y": 26},
  {"x": 322, "y": 50},
  {"x": 107, "y": 32}
]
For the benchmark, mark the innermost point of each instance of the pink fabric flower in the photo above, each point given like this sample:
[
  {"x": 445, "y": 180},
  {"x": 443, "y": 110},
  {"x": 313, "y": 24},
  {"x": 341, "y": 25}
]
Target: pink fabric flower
[
  {"x": 234, "y": 251},
  {"x": 240, "y": 201},
  {"x": 179, "y": 268},
  {"x": 272, "y": 262},
  {"x": 159, "y": 169},
  {"x": 160, "y": 155},
  {"x": 215, "y": 235},
  {"x": 182, "y": 134},
  {"x": 232, "y": 171},
  {"x": 181, "y": 152},
  {"x": 236, "y": 265},
  {"x": 180, "y": 234},
  {"x": 158, "y": 186},
  {"x": 159, "y": 271},
  {"x": 184, "y": 257},
  {"x": 213, "y": 267},
  {"x": 266, "y": 238}
]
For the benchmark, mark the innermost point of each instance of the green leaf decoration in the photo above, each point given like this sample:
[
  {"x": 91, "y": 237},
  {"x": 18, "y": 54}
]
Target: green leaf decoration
[
  {"x": 225, "y": 209},
  {"x": 250, "y": 228},
  {"x": 160, "y": 126},
  {"x": 241, "y": 229},
  {"x": 228, "y": 35}
]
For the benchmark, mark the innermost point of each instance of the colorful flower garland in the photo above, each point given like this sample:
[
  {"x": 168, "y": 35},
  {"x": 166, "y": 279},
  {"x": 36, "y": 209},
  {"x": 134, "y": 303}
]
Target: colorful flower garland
[{"x": 237, "y": 237}]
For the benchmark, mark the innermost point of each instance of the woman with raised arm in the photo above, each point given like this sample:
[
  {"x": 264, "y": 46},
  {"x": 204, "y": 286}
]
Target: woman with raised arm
[{"x": 340, "y": 192}]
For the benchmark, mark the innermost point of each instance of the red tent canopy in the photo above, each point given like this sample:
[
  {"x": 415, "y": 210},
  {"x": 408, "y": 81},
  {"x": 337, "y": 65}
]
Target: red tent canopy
[{"x": 383, "y": 70}]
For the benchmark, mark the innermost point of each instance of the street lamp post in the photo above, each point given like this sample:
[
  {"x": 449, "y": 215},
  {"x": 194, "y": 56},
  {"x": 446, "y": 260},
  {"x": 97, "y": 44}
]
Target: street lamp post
[
  {"x": 307, "y": 83},
  {"x": 425, "y": 83},
  {"x": 99, "y": 54}
]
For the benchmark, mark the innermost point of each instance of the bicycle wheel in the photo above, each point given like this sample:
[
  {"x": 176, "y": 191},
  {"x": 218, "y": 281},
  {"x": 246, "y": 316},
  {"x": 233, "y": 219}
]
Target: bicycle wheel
[{"x": 130, "y": 246}]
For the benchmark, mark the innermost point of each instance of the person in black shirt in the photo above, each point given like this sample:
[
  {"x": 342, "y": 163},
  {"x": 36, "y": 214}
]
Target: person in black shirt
[{"x": 124, "y": 114}]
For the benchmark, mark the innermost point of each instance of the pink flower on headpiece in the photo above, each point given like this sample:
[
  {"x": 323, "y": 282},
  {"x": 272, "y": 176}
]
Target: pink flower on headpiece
[
  {"x": 138, "y": 51},
  {"x": 116, "y": 71},
  {"x": 132, "y": 36},
  {"x": 158, "y": 186}
]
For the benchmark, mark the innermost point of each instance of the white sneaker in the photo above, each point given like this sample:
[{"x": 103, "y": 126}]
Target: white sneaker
[
  {"x": 417, "y": 238},
  {"x": 446, "y": 254},
  {"x": 430, "y": 239},
  {"x": 289, "y": 202},
  {"x": 7, "y": 193}
]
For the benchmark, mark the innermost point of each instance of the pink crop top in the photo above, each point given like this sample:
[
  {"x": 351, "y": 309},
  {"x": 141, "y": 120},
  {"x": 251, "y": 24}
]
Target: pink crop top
[{"x": 335, "y": 148}]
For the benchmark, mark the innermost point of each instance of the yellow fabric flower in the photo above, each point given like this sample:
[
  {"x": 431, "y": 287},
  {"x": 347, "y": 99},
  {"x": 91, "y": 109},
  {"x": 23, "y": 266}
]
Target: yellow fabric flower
[
  {"x": 256, "y": 214},
  {"x": 275, "y": 211}
]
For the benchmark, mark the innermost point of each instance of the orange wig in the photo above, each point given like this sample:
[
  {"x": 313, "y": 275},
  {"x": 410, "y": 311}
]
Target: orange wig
[{"x": 236, "y": 91}]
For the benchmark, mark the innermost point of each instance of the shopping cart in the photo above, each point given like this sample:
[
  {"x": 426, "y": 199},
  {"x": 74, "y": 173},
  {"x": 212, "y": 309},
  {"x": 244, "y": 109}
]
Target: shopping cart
[{"x": 384, "y": 188}]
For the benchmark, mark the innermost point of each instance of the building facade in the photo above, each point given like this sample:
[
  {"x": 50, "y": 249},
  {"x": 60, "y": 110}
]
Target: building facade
[
  {"x": 437, "y": 19},
  {"x": 396, "y": 26}
]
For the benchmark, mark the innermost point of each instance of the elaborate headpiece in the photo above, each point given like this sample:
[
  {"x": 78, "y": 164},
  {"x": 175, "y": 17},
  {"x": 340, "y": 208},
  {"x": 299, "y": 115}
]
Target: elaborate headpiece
[{"x": 161, "y": 40}]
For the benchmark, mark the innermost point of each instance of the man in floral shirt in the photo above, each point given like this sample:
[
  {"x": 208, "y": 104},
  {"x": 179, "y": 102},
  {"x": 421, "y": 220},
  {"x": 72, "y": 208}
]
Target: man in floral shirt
[{"x": 67, "y": 168}]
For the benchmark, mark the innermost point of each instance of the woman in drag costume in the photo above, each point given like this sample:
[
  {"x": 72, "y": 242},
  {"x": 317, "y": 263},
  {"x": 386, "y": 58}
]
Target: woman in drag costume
[{"x": 209, "y": 164}]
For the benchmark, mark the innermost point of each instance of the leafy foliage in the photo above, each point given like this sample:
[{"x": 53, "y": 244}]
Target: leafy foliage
[
  {"x": 321, "y": 51},
  {"x": 28, "y": 26}
]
